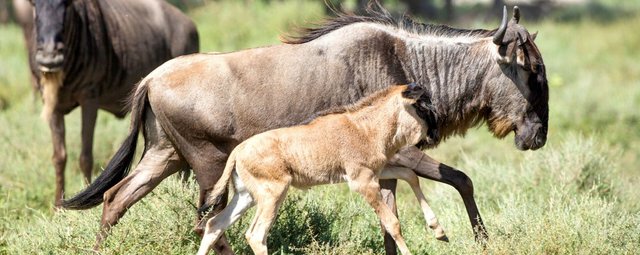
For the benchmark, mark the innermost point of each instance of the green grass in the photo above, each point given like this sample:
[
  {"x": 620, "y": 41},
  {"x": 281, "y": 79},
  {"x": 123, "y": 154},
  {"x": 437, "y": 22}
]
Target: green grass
[
  {"x": 232, "y": 25},
  {"x": 577, "y": 195}
]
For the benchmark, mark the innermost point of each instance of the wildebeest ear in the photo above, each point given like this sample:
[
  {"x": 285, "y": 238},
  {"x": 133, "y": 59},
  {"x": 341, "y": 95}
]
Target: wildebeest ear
[
  {"x": 516, "y": 14},
  {"x": 413, "y": 91},
  {"x": 534, "y": 35}
]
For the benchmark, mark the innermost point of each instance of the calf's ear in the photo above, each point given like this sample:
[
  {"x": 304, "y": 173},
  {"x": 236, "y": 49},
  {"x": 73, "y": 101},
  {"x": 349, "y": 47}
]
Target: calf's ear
[{"x": 413, "y": 91}]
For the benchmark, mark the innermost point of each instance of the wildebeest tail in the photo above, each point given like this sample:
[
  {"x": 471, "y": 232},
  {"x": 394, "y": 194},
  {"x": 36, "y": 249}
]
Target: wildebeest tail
[
  {"x": 119, "y": 166},
  {"x": 218, "y": 190}
]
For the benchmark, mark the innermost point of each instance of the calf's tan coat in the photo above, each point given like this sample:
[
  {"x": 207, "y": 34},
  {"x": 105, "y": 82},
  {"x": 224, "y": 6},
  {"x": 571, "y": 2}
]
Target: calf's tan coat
[{"x": 353, "y": 145}]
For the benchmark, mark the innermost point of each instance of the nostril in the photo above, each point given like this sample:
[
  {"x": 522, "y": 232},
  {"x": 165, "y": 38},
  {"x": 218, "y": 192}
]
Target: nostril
[
  {"x": 59, "y": 47},
  {"x": 539, "y": 141}
]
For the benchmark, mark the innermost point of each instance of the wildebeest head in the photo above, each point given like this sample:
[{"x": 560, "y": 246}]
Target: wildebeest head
[
  {"x": 425, "y": 111},
  {"x": 50, "y": 16},
  {"x": 520, "y": 100}
]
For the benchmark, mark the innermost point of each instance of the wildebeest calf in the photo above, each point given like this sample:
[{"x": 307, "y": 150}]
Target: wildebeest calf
[{"x": 351, "y": 144}]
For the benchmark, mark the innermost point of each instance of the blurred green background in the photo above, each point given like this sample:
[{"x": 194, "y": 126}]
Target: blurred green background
[{"x": 577, "y": 195}]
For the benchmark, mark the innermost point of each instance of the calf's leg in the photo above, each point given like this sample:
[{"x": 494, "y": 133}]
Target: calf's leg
[
  {"x": 271, "y": 195},
  {"x": 239, "y": 204},
  {"x": 365, "y": 182},
  {"x": 411, "y": 178}
]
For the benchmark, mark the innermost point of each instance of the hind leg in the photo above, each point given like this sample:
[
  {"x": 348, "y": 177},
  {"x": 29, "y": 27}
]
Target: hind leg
[
  {"x": 272, "y": 194},
  {"x": 240, "y": 203},
  {"x": 156, "y": 165},
  {"x": 411, "y": 178},
  {"x": 208, "y": 165}
]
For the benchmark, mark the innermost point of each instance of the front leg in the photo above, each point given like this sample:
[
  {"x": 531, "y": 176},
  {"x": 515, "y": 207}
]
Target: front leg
[
  {"x": 411, "y": 178},
  {"x": 388, "y": 190},
  {"x": 59, "y": 158},
  {"x": 365, "y": 182},
  {"x": 426, "y": 167},
  {"x": 89, "y": 115}
]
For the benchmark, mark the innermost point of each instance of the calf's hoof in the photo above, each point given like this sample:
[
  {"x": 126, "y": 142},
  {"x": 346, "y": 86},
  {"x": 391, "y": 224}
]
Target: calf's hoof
[{"x": 443, "y": 238}]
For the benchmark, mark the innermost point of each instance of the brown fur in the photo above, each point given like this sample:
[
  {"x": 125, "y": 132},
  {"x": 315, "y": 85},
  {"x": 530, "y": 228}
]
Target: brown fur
[
  {"x": 351, "y": 146},
  {"x": 51, "y": 83},
  {"x": 500, "y": 127}
]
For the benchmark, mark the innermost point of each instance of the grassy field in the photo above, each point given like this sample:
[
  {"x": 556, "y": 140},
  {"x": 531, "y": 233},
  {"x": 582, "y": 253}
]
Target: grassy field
[{"x": 577, "y": 195}]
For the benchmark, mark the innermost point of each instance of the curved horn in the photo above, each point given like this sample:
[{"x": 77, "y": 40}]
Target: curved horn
[
  {"x": 497, "y": 37},
  {"x": 516, "y": 14}
]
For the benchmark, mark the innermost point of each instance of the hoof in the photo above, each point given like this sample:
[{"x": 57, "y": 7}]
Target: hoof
[
  {"x": 443, "y": 238},
  {"x": 440, "y": 234}
]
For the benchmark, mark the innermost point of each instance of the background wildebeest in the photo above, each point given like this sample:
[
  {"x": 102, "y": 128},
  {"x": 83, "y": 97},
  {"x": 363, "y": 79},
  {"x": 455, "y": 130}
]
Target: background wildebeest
[
  {"x": 194, "y": 110},
  {"x": 91, "y": 53}
]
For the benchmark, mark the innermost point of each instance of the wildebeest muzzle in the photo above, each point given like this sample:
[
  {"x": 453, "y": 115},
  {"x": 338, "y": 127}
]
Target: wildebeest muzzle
[
  {"x": 531, "y": 136},
  {"x": 50, "y": 57}
]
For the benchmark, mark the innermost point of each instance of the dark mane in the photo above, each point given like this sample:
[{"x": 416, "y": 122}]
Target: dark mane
[
  {"x": 375, "y": 13},
  {"x": 362, "y": 103}
]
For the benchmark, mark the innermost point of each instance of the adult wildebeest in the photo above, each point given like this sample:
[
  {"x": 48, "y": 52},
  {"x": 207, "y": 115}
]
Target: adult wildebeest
[
  {"x": 194, "y": 110},
  {"x": 351, "y": 145},
  {"x": 91, "y": 53}
]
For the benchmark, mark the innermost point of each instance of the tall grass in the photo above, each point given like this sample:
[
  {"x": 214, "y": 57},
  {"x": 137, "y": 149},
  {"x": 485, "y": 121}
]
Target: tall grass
[
  {"x": 577, "y": 195},
  {"x": 556, "y": 208}
]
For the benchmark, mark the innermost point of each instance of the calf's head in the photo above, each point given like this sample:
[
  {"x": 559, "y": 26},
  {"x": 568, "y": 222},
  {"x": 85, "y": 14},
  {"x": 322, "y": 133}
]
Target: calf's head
[
  {"x": 519, "y": 95},
  {"x": 424, "y": 109},
  {"x": 49, "y": 19}
]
